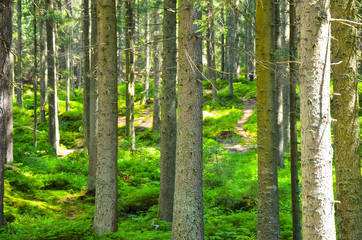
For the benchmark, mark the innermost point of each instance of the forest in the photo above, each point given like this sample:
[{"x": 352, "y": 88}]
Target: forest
[{"x": 188, "y": 119}]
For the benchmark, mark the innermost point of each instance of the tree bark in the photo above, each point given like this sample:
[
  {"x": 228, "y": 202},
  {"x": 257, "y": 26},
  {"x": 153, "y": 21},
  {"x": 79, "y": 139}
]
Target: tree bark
[
  {"x": 210, "y": 47},
  {"x": 294, "y": 156},
  {"x": 188, "y": 221},
  {"x": 105, "y": 215},
  {"x": 156, "y": 122},
  {"x": 316, "y": 150},
  {"x": 147, "y": 55},
  {"x": 6, "y": 15},
  {"x": 268, "y": 199},
  {"x": 35, "y": 138},
  {"x": 53, "y": 136},
  {"x": 130, "y": 72},
  {"x": 19, "y": 74},
  {"x": 93, "y": 102},
  {"x": 168, "y": 113},
  {"x": 346, "y": 127},
  {"x": 43, "y": 65}
]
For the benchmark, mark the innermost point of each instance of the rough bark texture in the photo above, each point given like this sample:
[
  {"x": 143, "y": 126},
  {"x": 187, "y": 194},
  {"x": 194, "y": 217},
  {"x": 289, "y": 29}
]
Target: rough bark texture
[
  {"x": 168, "y": 114},
  {"x": 53, "y": 135},
  {"x": 268, "y": 199},
  {"x": 93, "y": 100},
  {"x": 105, "y": 216},
  {"x": 156, "y": 122},
  {"x": 85, "y": 71},
  {"x": 210, "y": 47},
  {"x": 294, "y": 156},
  {"x": 130, "y": 71},
  {"x": 316, "y": 151},
  {"x": 19, "y": 75},
  {"x": 346, "y": 127},
  {"x": 188, "y": 222},
  {"x": 6, "y": 15}
]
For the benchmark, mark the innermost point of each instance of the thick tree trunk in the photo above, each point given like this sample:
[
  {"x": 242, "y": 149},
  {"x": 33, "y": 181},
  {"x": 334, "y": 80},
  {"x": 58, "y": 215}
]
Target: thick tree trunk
[
  {"x": 188, "y": 221},
  {"x": 316, "y": 149},
  {"x": 6, "y": 14},
  {"x": 19, "y": 66},
  {"x": 130, "y": 72},
  {"x": 93, "y": 102},
  {"x": 85, "y": 71},
  {"x": 105, "y": 215},
  {"x": 346, "y": 127},
  {"x": 294, "y": 156},
  {"x": 53, "y": 136},
  {"x": 168, "y": 113},
  {"x": 268, "y": 199},
  {"x": 157, "y": 70}
]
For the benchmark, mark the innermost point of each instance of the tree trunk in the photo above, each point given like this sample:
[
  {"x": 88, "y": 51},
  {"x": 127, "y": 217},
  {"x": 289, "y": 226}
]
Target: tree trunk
[
  {"x": 43, "y": 66},
  {"x": 6, "y": 14},
  {"x": 147, "y": 55},
  {"x": 294, "y": 156},
  {"x": 268, "y": 199},
  {"x": 35, "y": 138},
  {"x": 85, "y": 71},
  {"x": 346, "y": 127},
  {"x": 168, "y": 113},
  {"x": 105, "y": 215},
  {"x": 53, "y": 136},
  {"x": 9, "y": 127},
  {"x": 222, "y": 38},
  {"x": 210, "y": 46},
  {"x": 157, "y": 68},
  {"x": 130, "y": 69},
  {"x": 188, "y": 221},
  {"x": 316, "y": 150},
  {"x": 278, "y": 96},
  {"x": 93, "y": 102},
  {"x": 120, "y": 52},
  {"x": 19, "y": 74}
]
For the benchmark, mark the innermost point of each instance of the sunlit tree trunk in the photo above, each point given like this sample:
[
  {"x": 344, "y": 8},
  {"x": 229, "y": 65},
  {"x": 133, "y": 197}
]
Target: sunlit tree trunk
[
  {"x": 105, "y": 215},
  {"x": 268, "y": 198},
  {"x": 53, "y": 136},
  {"x": 316, "y": 150},
  {"x": 130, "y": 71},
  {"x": 168, "y": 113},
  {"x": 157, "y": 70},
  {"x": 188, "y": 220},
  {"x": 9, "y": 127},
  {"x": 6, "y": 14},
  {"x": 346, "y": 127}
]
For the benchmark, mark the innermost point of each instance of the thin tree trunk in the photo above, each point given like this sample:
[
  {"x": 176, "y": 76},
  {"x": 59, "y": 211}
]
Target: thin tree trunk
[
  {"x": 6, "y": 13},
  {"x": 105, "y": 215},
  {"x": 168, "y": 113},
  {"x": 120, "y": 52},
  {"x": 346, "y": 127},
  {"x": 9, "y": 128},
  {"x": 19, "y": 74},
  {"x": 43, "y": 66},
  {"x": 294, "y": 156},
  {"x": 148, "y": 55},
  {"x": 85, "y": 71},
  {"x": 188, "y": 221},
  {"x": 35, "y": 138},
  {"x": 316, "y": 150},
  {"x": 130, "y": 68},
  {"x": 53, "y": 136},
  {"x": 268, "y": 198},
  {"x": 157, "y": 70},
  {"x": 210, "y": 46},
  {"x": 222, "y": 38},
  {"x": 93, "y": 102}
]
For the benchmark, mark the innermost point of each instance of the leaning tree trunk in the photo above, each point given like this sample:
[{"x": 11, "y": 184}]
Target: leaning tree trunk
[
  {"x": 316, "y": 149},
  {"x": 6, "y": 15},
  {"x": 268, "y": 198},
  {"x": 168, "y": 113},
  {"x": 53, "y": 136},
  {"x": 188, "y": 220},
  {"x": 346, "y": 127},
  {"x": 105, "y": 215}
]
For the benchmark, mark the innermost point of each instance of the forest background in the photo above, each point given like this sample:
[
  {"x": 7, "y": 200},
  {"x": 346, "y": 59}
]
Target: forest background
[{"x": 49, "y": 193}]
